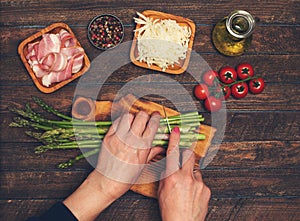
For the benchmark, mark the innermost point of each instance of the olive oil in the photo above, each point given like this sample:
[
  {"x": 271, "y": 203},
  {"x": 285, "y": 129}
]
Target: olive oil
[{"x": 232, "y": 35}]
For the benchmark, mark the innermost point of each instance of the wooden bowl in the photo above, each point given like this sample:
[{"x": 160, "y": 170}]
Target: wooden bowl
[
  {"x": 23, "y": 51},
  {"x": 183, "y": 64}
]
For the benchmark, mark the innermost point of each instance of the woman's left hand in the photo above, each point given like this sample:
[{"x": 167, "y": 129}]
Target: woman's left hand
[{"x": 126, "y": 149}]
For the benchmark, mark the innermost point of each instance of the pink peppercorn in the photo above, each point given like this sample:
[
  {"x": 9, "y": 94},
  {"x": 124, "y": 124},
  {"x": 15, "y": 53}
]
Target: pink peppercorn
[{"x": 105, "y": 31}]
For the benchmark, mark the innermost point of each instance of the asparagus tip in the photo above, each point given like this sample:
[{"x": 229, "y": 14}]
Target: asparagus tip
[
  {"x": 14, "y": 124},
  {"x": 40, "y": 149},
  {"x": 65, "y": 165}
]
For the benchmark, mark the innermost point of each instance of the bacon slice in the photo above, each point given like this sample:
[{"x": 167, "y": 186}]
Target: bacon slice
[
  {"x": 54, "y": 77},
  {"x": 40, "y": 70},
  {"x": 49, "y": 43},
  {"x": 71, "y": 51},
  {"x": 66, "y": 39},
  {"x": 77, "y": 53},
  {"x": 32, "y": 53},
  {"x": 32, "y": 49},
  {"x": 77, "y": 63},
  {"x": 55, "y": 57},
  {"x": 55, "y": 61},
  {"x": 33, "y": 60}
]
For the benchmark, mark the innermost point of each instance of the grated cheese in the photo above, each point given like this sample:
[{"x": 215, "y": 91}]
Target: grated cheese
[{"x": 161, "y": 42}]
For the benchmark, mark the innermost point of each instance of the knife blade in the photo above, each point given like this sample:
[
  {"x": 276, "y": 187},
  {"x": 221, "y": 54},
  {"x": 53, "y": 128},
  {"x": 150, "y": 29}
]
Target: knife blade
[{"x": 167, "y": 120}]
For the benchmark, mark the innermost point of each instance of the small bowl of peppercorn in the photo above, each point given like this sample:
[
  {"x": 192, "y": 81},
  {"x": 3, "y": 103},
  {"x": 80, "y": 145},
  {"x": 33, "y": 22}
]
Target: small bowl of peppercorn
[{"x": 105, "y": 31}]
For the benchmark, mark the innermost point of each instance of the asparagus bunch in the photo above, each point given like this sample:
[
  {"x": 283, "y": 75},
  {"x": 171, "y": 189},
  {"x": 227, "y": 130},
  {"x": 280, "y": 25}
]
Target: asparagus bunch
[{"x": 70, "y": 133}]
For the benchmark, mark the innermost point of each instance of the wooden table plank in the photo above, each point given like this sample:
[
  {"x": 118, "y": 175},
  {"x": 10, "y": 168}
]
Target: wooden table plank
[
  {"x": 268, "y": 209},
  {"x": 78, "y": 11},
  {"x": 273, "y": 68},
  {"x": 229, "y": 183},
  {"x": 255, "y": 173},
  {"x": 274, "y": 98},
  {"x": 230, "y": 155}
]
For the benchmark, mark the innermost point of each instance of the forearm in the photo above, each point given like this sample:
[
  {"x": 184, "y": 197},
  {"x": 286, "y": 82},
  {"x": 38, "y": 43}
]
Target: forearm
[{"x": 90, "y": 199}]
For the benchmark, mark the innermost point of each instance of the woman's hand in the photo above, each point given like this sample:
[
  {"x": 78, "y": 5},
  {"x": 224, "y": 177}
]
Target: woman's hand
[
  {"x": 125, "y": 150},
  {"x": 182, "y": 194}
]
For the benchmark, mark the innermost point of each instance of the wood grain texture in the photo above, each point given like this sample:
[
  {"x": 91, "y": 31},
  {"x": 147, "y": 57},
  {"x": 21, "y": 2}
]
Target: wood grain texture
[
  {"x": 230, "y": 155},
  {"x": 78, "y": 12},
  {"x": 131, "y": 207},
  {"x": 276, "y": 97},
  {"x": 255, "y": 173},
  {"x": 229, "y": 183},
  {"x": 266, "y": 39},
  {"x": 274, "y": 69}
]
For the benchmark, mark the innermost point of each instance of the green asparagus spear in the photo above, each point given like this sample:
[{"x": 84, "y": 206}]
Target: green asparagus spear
[{"x": 69, "y": 133}]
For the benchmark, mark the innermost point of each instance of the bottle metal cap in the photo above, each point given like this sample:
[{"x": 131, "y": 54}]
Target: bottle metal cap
[{"x": 240, "y": 24}]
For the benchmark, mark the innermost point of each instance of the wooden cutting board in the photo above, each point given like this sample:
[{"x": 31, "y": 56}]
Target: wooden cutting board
[{"x": 88, "y": 109}]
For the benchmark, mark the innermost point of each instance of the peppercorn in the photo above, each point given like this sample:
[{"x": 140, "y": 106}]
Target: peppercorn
[{"x": 105, "y": 31}]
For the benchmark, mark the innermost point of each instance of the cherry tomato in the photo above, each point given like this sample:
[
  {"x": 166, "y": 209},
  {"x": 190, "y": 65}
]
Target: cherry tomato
[
  {"x": 227, "y": 75},
  {"x": 226, "y": 92},
  {"x": 209, "y": 77},
  {"x": 212, "y": 104},
  {"x": 256, "y": 85},
  {"x": 239, "y": 90},
  {"x": 201, "y": 91},
  {"x": 244, "y": 70},
  {"x": 222, "y": 92}
]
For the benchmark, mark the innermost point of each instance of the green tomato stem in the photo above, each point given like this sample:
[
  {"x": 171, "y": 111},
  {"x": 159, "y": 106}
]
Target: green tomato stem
[{"x": 237, "y": 81}]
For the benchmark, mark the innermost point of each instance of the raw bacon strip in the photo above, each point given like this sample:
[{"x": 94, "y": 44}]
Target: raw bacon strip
[
  {"x": 49, "y": 43},
  {"x": 48, "y": 61},
  {"x": 40, "y": 70},
  {"x": 33, "y": 60},
  {"x": 55, "y": 61},
  {"x": 55, "y": 57},
  {"x": 33, "y": 57},
  {"x": 54, "y": 77},
  {"x": 66, "y": 39},
  {"x": 60, "y": 62},
  {"x": 71, "y": 51},
  {"x": 78, "y": 62},
  {"x": 32, "y": 48}
]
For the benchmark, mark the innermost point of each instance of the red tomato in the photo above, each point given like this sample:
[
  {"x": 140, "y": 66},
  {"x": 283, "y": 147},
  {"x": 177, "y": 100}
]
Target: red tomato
[
  {"x": 201, "y": 91},
  {"x": 209, "y": 77},
  {"x": 227, "y": 75},
  {"x": 212, "y": 104},
  {"x": 244, "y": 70},
  {"x": 239, "y": 90},
  {"x": 226, "y": 92},
  {"x": 256, "y": 85}
]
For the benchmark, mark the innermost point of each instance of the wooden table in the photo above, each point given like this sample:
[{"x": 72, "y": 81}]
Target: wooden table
[{"x": 255, "y": 174}]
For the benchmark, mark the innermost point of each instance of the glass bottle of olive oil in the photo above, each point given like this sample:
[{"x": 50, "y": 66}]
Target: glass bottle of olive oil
[{"x": 233, "y": 34}]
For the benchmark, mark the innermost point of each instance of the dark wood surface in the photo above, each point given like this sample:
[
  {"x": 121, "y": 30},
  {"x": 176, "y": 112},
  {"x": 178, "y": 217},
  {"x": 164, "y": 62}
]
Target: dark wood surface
[{"x": 255, "y": 174}]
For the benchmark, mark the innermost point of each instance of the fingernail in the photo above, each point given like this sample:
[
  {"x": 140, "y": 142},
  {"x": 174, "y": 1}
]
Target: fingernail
[
  {"x": 176, "y": 129},
  {"x": 156, "y": 113}
]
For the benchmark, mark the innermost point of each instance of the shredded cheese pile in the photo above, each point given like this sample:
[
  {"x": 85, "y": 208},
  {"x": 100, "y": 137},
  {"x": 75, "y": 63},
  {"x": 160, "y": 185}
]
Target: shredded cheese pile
[{"x": 161, "y": 42}]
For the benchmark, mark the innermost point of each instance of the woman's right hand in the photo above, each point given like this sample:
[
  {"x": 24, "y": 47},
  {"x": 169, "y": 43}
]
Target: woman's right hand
[{"x": 182, "y": 194}]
